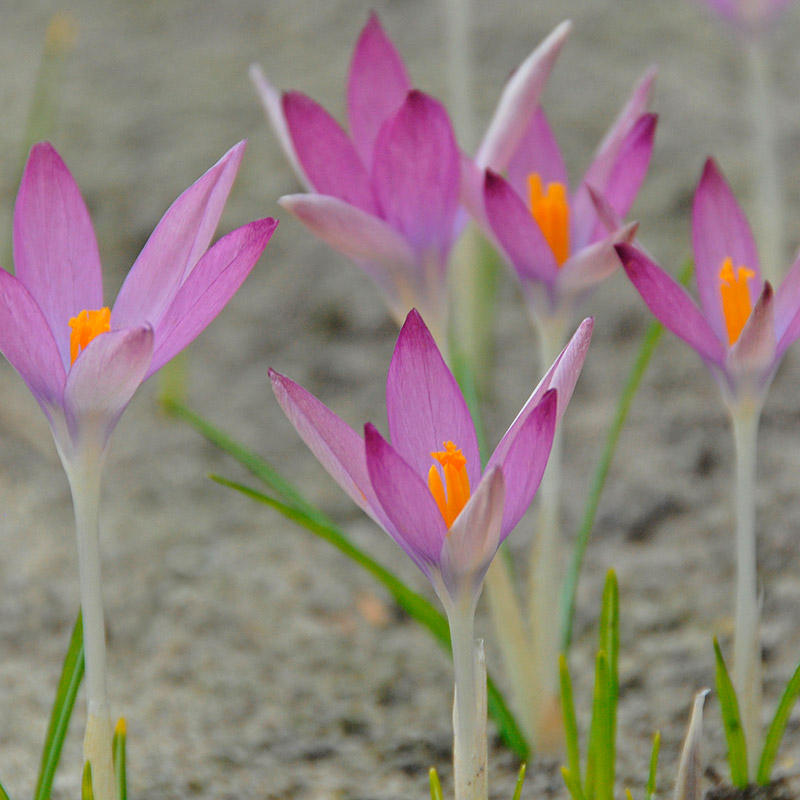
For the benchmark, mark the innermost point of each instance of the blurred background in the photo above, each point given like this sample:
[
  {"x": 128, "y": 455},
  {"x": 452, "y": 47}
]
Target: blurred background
[{"x": 250, "y": 660}]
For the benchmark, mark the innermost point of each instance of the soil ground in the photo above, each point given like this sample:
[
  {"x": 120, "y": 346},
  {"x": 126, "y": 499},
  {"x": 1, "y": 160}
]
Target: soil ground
[{"x": 246, "y": 656}]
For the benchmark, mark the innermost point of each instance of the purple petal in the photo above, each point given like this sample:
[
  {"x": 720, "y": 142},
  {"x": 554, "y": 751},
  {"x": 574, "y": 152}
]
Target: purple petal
[
  {"x": 273, "y": 106},
  {"x": 522, "y": 455},
  {"x": 175, "y": 246},
  {"x": 719, "y": 231},
  {"x": 215, "y": 279},
  {"x": 335, "y": 444},
  {"x": 417, "y": 523},
  {"x": 424, "y": 405},
  {"x": 26, "y": 341},
  {"x": 754, "y": 351},
  {"x": 102, "y": 381},
  {"x": 787, "y": 308},
  {"x": 473, "y": 538},
  {"x": 376, "y": 87},
  {"x": 416, "y": 173},
  {"x": 671, "y": 305},
  {"x": 518, "y": 232},
  {"x": 326, "y": 153},
  {"x": 55, "y": 250},
  {"x": 518, "y": 101},
  {"x": 539, "y": 153}
]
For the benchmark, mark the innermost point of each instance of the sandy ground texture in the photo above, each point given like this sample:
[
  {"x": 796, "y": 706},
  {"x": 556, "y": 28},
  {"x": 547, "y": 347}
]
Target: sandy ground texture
[{"x": 250, "y": 660}]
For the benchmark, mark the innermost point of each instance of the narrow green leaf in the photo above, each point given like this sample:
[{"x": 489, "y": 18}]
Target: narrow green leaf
[
  {"x": 599, "y": 774},
  {"x": 651, "y": 778},
  {"x": 520, "y": 780},
  {"x": 569, "y": 588},
  {"x": 71, "y": 676},
  {"x": 120, "y": 765},
  {"x": 414, "y": 604},
  {"x": 731, "y": 720},
  {"x": 609, "y": 643},
  {"x": 436, "y": 787},
  {"x": 777, "y": 728},
  {"x": 573, "y": 784},
  {"x": 3, "y": 795},
  {"x": 570, "y": 725},
  {"x": 87, "y": 793},
  {"x": 628, "y": 794}
]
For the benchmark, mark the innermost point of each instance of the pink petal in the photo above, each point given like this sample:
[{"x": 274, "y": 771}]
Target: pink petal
[
  {"x": 522, "y": 455},
  {"x": 517, "y": 232},
  {"x": 417, "y": 524},
  {"x": 102, "y": 382},
  {"x": 754, "y": 352},
  {"x": 416, "y": 174},
  {"x": 215, "y": 279},
  {"x": 538, "y": 152},
  {"x": 593, "y": 264},
  {"x": 719, "y": 231},
  {"x": 518, "y": 101},
  {"x": 424, "y": 405},
  {"x": 473, "y": 539},
  {"x": 787, "y": 308},
  {"x": 326, "y": 154},
  {"x": 377, "y": 86},
  {"x": 273, "y": 106},
  {"x": 175, "y": 246},
  {"x": 55, "y": 250},
  {"x": 26, "y": 341},
  {"x": 671, "y": 305}
]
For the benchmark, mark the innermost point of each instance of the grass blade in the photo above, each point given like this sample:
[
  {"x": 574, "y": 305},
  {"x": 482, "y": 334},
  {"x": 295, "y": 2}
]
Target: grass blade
[
  {"x": 651, "y": 778},
  {"x": 120, "y": 766},
  {"x": 414, "y": 604},
  {"x": 520, "y": 780},
  {"x": 87, "y": 793},
  {"x": 71, "y": 676},
  {"x": 569, "y": 588},
  {"x": 573, "y": 784},
  {"x": 731, "y": 720},
  {"x": 609, "y": 643},
  {"x": 599, "y": 771},
  {"x": 776, "y": 729},
  {"x": 3, "y": 795},
  {"x": 436, "y": 787},
  {"x": 570, "y": 728},
  {"x": 687, "y": 785}
]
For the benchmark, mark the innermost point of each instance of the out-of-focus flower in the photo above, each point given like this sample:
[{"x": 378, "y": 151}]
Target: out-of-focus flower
[
  {"x": 749, "y": 16},
  {"x": 742, "y": 328},
  {"x": 387, "y": 194},
  {"x": 426, "y": 488},
  {"x": 561, "y": 243}
]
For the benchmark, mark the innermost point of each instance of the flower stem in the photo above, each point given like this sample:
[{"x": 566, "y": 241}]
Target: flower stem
[
  {"x": 746, "y": 646},
  {"x": 84, "y": 475}
]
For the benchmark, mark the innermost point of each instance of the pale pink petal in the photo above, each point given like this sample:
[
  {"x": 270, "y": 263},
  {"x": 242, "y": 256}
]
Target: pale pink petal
[
  {"x": 754, "y": 352},
  {"x": 326, "y": 153},
  {"x": 787, "y": 308},
  {"x": 175, "y": 246},
  {"x": 424, "y": 405},
  {"x": 102, "y": 382},
  {"x": 518, "y": 101},
  {"x": 417, "y": 524},
  {"x": 538, "y": 152},
  {"x": 516, "y": 230},
  {"x": 719, "y": 231},
  {"x": 671, "y": 305},
  {"x": 376, "y": 87},
  {"x": 416, "y": 174},
  {"x": 55, "y": 250},
  {"x": 473, "y": 539},
  {"x": 589, "y": 266},
  {"x": 215, "y": 279},
  {"x": 272, "y": 101},
  {"x": 26, "y": 341}
]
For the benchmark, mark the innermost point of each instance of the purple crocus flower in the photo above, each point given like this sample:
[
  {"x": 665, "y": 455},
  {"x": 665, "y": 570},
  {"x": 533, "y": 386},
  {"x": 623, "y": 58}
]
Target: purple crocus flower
[
  {"x": 741, "y": 328},
  {"x": 425, "y": 486},
  {"x": 387, "y": 194},
  {"x": 83, "y": 361},
  {"x": 749, "y": 16},
  {"x": 561, "y": 244}
]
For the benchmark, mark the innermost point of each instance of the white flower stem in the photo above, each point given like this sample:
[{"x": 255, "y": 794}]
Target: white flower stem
[
  {"x": 747, "y": 645},
  {"x": 470, "y": 765},
  {"x": 84, "y": 473},
  {"x": 768, "y": 196}
]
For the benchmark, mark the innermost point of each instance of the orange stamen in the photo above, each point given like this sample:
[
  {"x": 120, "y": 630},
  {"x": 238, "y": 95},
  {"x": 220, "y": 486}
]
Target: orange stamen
[
  {"x": 452, "y": 495},
  {"x": 736, "y": 305},
  {"x": 551, "y": 212},
  {"x": 85, "y": 327}
]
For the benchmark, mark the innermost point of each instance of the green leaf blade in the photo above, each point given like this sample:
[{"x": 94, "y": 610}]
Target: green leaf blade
[
  {"x": 777, "y": 728},
  {"x": 731, "y": 720}
]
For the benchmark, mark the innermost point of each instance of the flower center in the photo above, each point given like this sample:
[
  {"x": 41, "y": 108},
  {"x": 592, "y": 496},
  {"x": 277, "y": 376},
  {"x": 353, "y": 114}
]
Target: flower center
[
  {"x": 452, "y": 495},
  {"x": 551, "y": 212},
  {"x": 736, "y": 304},
  {"x": 85, "y": 327}
]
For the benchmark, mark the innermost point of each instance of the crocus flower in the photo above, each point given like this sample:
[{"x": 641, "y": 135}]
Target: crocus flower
[
  {"x": 742, "y": 327},
  {"x": 387, "y": 194},
  {"x": 561, "y": 243},
  {"x": 749, "y": 16},
  {"x": 83, "y": 361}
]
